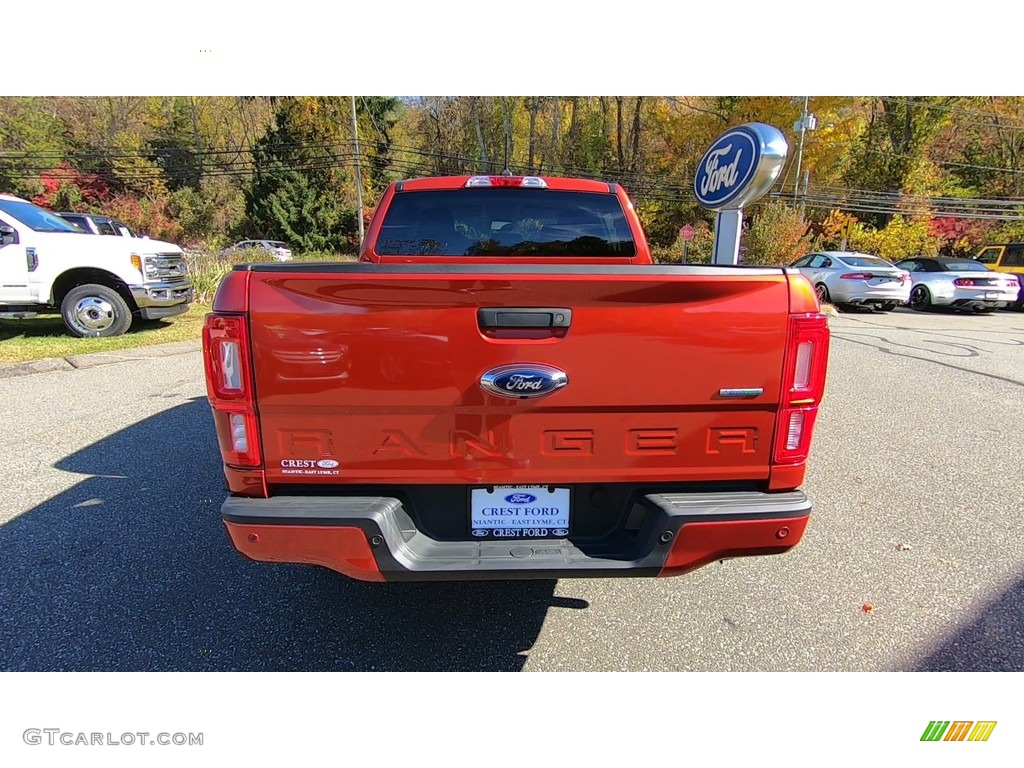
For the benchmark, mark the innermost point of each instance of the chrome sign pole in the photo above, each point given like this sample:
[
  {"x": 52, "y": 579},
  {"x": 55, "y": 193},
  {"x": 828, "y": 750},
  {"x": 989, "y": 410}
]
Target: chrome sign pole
[{"x": 728, "y": 229}]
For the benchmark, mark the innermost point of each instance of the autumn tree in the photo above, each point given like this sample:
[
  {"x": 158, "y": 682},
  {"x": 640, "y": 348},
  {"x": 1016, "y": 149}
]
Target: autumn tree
[
  {"x": 894, "y": 143},
  {"x": 982, "y": 146},
  {"x": 31, "y": 142}
]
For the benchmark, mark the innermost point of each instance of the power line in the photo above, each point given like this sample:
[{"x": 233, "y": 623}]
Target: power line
[
  {"x": 830, "y": 205},
  {"x": 952, "y": 109},
  {"x": 157, "y": 155},
  {"x": 644, "y": 186}
]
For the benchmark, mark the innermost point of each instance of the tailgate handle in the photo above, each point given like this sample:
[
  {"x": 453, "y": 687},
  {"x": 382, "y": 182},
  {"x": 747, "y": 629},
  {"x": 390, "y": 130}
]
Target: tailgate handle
[{"x": 523, "y": 318}]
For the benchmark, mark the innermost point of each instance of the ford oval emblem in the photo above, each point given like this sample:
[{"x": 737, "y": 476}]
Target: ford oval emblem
[
  {"x": 523, "y": 380},
  {"x": 740, "y": 166},
  {"x": 327, "y": 463},
  {"x": 520, "y": 498}
]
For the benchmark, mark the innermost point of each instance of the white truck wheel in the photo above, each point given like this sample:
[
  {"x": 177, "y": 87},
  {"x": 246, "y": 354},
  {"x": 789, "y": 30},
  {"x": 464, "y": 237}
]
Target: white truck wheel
[{"x": 95, "y": 310}]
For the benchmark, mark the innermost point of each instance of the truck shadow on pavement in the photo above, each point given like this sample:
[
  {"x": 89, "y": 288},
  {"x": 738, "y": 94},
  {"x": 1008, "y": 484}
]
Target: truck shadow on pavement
[
  {"x": 131, "y": 569},
  {"x": 985, "y": 644}
]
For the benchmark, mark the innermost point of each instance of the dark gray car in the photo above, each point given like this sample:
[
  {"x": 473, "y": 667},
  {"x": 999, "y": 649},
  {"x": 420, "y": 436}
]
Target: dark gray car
[{"x": 98, "y": 225}]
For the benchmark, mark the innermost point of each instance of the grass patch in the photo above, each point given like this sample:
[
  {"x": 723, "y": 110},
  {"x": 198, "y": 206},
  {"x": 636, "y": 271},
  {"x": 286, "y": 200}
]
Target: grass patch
[
  {"x": 34, "y": 339},
  {"x": 206, "y": 270}
]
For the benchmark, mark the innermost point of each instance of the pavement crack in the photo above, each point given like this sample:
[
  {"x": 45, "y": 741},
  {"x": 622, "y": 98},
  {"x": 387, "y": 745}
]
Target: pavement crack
[
  {"x": 949, "y": 332},
  {"x": 967, "y": 349},
  {"x": 897, "y": 353}
]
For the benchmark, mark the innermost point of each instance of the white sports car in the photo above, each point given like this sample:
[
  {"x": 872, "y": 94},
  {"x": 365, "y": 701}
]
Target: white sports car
[{"x": 960, "y": 283}]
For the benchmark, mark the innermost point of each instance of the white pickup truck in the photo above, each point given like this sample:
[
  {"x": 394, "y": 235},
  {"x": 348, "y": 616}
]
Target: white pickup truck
[{"x": 97, "y": 284}]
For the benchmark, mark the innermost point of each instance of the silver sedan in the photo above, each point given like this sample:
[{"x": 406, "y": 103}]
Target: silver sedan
[
  {"x": 844, "y": 277},
  {"x": 960, "y": 283},
  {"x": 274, "y": 248}
]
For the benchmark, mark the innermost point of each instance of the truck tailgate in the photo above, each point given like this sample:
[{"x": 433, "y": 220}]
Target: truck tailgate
[{"x": 371, "y": 374}]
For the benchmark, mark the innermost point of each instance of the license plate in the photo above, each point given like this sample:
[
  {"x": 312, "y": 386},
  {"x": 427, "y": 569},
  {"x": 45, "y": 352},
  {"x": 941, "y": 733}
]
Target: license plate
[
  {"x": 519, "y": 512},
  {"x": 993, "y": 295}
]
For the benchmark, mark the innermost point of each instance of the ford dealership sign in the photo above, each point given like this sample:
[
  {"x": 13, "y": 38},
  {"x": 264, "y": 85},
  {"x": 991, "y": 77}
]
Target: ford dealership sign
[{"x": 740, "y": 166}]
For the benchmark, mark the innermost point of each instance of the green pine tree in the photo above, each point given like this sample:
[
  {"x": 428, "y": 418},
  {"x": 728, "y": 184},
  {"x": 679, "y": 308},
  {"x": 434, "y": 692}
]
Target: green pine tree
[{"x": 295, "y": 194}]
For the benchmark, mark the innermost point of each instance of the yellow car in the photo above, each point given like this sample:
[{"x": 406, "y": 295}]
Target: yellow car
[{"x": 1006, "y": 257}]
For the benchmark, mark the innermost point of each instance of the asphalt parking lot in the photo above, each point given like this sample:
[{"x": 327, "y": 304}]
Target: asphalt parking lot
[{"x": 115, "y": 558}]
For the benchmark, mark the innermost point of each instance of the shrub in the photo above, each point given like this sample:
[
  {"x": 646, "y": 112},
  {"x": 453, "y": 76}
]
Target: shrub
[
  {"x": 207, "y": 269},
  {"x": 66, "y": 188},
  {"x": 960, "y": 237},
  {"x": 1007, "y": 231},
  {"x": 150, "y": 216},
  {"x": 901, "y": 239},
  {"x": 661, "y": 220},
  {"x": 699, "y": 250},
  {"x": 777, "y": 234},
  {"x": 322, "y": 256}
]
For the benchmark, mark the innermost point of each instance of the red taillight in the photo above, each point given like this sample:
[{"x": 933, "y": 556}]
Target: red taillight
[
  {"x": 804, "y": 372},
  {"x": 229, "y": 388},
  {"x": 856, "y": 276},
  {"x": 964, "y": 282},
  {"x": 226, "y": 347},
  {"x": 807, "y": 355}
]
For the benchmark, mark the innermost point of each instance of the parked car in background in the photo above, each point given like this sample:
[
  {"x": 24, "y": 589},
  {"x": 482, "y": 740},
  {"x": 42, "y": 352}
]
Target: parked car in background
[
  {"x": 844, "y": 277},
  {"x": 98, "y": 225},
  {"x": 1006, "y": 257},
  {"x": 275, "y": 248},
  {"x": 960, "y": 283}
]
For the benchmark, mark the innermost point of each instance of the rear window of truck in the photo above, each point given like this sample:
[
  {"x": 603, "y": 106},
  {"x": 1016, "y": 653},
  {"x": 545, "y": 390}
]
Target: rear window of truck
[{"x": 505, "y": 222}]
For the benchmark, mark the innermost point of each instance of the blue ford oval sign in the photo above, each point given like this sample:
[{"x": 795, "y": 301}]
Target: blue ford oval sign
[
  {"x": 740, "y": 166},
  {"x": 727, "y": 168},
  {"x": 523, "y": 380}
]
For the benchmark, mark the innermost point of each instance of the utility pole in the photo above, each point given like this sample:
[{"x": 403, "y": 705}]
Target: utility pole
[
  {"x": 807, "y": 122},
  {"x": 807, "y": 183},
  {"x": 359, "y": 173}
]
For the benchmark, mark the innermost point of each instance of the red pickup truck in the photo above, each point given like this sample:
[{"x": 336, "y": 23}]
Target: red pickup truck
[{"x": 507, "y": 386}]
